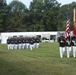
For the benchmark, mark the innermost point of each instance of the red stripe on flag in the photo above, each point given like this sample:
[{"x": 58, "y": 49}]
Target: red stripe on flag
[
  {"x": 67, "y": 29},
  {"x": 67, "y": 24},
  {"x": 74, "y": 31}
]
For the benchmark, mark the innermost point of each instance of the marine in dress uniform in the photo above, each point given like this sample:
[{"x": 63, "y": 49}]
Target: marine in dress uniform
[
  {"x": 27, "y": 42},
  {"x": 31, "y": 42},
  {"x": 68, "y": 46},
  {"x": 16, "y": 43},
  {"x": 23, "y": 43},
  {"x": 37, "y": 42},
  {"x": 73, "y": 43},
  {"x": 12, "y": 43},
  {"x": 19, "y": 43},
  {"x": 34, "y": 40},
  {"x": 61, "y": 41},
  {"x": 9, "y": 43}
]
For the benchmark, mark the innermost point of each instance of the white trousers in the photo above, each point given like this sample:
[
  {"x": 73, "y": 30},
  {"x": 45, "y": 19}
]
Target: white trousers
[
  {"x": 9, "y": 46},
  {"x": 19, "y": 46},
  {"x": 36, "y": 45},
  {"x": 12, "y": 46},
  {"x": 23, "y": 45},
  {"x": 15, "y": 46},
  {"x": 27, "y": 45},
  {"x": 68, "y": 51},
  {"x": 62, "y": 50},
  {"x": 74, "y": 51},
  {"x": 31, "y": 46}
]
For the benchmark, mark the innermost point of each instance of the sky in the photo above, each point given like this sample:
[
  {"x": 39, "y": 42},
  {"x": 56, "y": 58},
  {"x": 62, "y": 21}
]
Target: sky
[
  {"x": 65, "y": 1},
  {"x": 27, "y": 2}
]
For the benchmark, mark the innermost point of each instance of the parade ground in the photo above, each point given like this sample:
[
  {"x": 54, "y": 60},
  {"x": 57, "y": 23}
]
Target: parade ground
[{"x": 44, "y": 60}]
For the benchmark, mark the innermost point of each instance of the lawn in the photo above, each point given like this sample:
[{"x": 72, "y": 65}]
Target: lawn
[{"x": 42, "y": 61}]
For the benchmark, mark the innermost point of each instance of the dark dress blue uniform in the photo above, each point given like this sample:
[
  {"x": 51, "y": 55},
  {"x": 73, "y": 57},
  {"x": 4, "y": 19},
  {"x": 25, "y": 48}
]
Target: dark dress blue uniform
[
  {"x": 8, "y": 43},
  {"x": 61, "y": 41},
  {"x": 73, "y": 44},
  {"x": 68, "y": 46}
]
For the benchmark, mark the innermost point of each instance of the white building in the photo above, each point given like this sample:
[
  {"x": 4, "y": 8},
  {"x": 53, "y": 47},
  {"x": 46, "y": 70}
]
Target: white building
[{"x": 51, "y": 36}]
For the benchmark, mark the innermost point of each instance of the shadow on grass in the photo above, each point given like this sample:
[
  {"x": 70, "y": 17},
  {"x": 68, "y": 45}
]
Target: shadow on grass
[
  {"x": 10, "y": 68},
  {"x": 3, "y": 52}
]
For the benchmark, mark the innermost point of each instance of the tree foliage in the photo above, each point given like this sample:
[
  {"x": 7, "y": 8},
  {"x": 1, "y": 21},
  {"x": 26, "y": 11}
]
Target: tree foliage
[
  {"x": 42, "y": 15},
  {"x": 3, "y": 10},
  {"x": 17, "y": 11}
]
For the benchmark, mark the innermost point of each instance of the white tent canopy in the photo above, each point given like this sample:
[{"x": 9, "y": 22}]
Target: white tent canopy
[{"x": 4, "y": 36}]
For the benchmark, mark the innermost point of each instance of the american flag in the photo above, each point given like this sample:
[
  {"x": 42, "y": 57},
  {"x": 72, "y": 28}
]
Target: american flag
[{"x": 67, "y": 24}]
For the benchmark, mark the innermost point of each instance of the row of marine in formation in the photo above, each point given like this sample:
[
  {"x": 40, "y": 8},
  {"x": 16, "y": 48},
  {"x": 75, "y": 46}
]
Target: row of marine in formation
[{"x": 23, "y": 42}]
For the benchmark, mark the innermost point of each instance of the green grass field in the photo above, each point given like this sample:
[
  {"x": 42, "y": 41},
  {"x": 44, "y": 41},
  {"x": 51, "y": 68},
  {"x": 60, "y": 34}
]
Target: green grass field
[{"x": 42, "y": 61}]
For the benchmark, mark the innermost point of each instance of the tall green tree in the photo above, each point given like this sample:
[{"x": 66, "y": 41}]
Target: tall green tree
[
  {"x": 51, "y": 10},
  {"x": 45, "y": 14},
  {"x": 36, "y": 13},
  {"x": 42, "y": 15},
  {"x": 63, "y": 12},
  {"x": 3, "y": 10},
  {"x": 16, "y": 11}
]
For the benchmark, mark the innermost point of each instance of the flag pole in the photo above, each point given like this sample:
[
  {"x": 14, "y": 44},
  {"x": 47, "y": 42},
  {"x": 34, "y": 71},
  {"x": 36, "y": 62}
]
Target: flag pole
[
  {"x": 67, "y": 24},
  {"x": 74, "y": 21}
]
